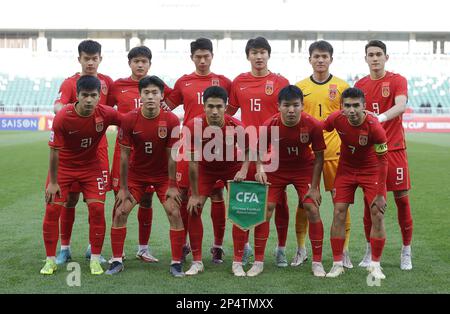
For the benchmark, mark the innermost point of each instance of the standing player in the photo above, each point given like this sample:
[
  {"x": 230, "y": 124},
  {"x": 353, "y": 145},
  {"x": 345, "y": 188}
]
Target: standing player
[
  {"x": 363, "y": 162},
  {"x": 188, "y": 91},
  {"x": 322, "y": 92},
  {"x": 151, "y": 133},
  {"x": 298, "y": 133},
  {"x": 76, "y": 134},
  {"x": 205, "y": 171},
  {"x": 255, "y": 93},
  {"x": 90, "y": 57},
  {"x": 386, "y": 95},
  {"x": 124, "y": 94}
]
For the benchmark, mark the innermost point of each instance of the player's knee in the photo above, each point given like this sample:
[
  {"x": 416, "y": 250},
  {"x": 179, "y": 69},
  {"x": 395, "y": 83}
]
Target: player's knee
[
  {"x": 217, "y": 195},
  {"x": 96, "y": 213},
  {"x": 52, "y": 212}
]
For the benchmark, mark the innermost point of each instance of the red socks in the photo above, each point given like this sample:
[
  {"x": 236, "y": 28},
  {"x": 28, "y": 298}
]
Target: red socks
[
  {"x": 367, "y": 220},
  {"x": 404, "y": 218},
  {"x": 196, "y": 234},
  {"x": 97, "y": 226},
  {"x": 218, "y": 220},
  {"x": 66, "y": 224},
  {"x": 184, "y": 216},
  {"x": 316, "y": 237},
  {"x": 282, "y": 220},
  {"x": 261, "y": 235},
  {"x": 337, "y": 246},
  {"x": 377, "y": 245},
  {"x": 239, "y": 239},
  {"x": 177, "y": 240},
  {"x": 50, "y": 228},
  {"x": 145, "y": 216},
  {"x": 118, "y": 236}
]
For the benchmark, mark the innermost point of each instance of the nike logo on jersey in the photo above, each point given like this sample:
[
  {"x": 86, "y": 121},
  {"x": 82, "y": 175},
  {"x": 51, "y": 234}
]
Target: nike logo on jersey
[
  {"x": 397, "y": 183},
  {"x": 137, "y": 132},
  {"x": 242, "y": 88},
  {"x": 307, "y": 94},
  {"x": 124, "y": 91},
  {"x": 71, "y": 132},
  {"x": 101, "y": 193},
  {"x": 188, "y": 84}
]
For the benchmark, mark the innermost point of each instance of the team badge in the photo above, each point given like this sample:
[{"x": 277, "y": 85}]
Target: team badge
[
  {"x": 104, "y": 87},
  {"x": 269, "y": 88},
  {"x": 304, "y": 135},
  {"x": 162, "y": 129},
  {"x": 99, "y": 124},
  {"x": 363, "y": 139},
  {"x": 385, "y": 92},
  {"x": 215, "y": 82},
  {"x": 332, "y": 91}
]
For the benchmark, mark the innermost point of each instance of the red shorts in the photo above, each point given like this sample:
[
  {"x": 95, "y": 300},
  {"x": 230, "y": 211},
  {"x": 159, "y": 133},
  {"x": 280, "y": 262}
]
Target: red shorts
[
  {"x": 115, "y": 172},
  {"x": 208, "y": 179},
  {"x": 183, "y": 176},
  {"x": 90, "y": 182},
  {"x": 102, "y": 155},
  {"x": 348, "y": 180},
  {"x": 398, "y": 172},
  {"x": 301, "y": 179},
  {"x": 138, "y": 187}
]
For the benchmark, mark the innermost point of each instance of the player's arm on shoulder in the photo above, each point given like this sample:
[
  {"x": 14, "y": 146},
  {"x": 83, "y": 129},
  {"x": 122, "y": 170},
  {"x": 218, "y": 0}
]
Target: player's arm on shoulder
[
  {"x": 64, "y": 97},
  {"x": 396, "y": 110}
]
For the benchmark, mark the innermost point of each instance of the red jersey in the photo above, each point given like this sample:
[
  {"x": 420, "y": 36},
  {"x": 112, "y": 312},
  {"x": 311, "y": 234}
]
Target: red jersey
[
  {"x": 149, "y": 139},
  {"x": 68, "y": 89},
  {"x": 78, "y": 137},
  {"x": 357, "y": 146},
  {"x": 223, "y": 154},
  {"x": 380, "y": 97},
  {"x": 124, "y": 93},
  {"x": 294, "y": 148},
  {"x": 188, "y": 90},
  {"x": 256, "y": 96}
]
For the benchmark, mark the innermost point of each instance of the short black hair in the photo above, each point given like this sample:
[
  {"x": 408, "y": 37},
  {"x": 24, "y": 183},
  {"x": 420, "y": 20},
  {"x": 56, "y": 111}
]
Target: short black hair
[
  {"x": 321, "y": 45},
  {"x": 215, "y": 92},
  {"x": 353, "y": 92},
  {"x": 89, "y": 47},
  {"x": 257, "y": 43},
  {"x": 289, "y": 93},
  {"x": 376, "y": 43},
  {"x": 201, "y": 43},
  {"x": 88, "y": 83},
  {"x": 140, "y": 51},
  {"x": 151, "y": 80}
]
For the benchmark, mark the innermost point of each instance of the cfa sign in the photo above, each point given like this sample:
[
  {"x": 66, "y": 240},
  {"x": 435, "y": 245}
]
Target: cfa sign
[{"x": 247, "y": 197}]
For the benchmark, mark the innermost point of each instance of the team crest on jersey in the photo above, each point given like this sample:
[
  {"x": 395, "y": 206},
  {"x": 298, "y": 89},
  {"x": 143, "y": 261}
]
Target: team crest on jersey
[
  {"x": 269, "y": 88},
  {"x": 363, "y": 139},
  {"x": 385, "y": 92},
  {"x": 332, "y": 91},
  {"x": 215, "y": 82},
  {"x": 99, "y": 124},
  {"x": 162, "y": 129},
  {"x": 104, "y": 87},
  {"x": 304, "y": 135}
]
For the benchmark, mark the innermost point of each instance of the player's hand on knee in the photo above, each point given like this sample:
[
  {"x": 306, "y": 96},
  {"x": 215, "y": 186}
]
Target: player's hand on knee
[
  {"x": 380, "y": 203},
  {"x": 51, "y": 192},
  {"x": 121, "y": 197},
  {"x": 314, "y": 195},
  {"x": 174, "y": 194},
  {"x": 194, "y": 204}
]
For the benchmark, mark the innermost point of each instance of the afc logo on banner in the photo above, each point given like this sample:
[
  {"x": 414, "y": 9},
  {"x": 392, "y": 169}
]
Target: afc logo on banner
[{"x": 247, "y": 197}]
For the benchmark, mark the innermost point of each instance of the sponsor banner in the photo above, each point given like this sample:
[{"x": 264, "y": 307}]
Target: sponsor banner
[
  {"x": 25, "y": 123},
  {"x": 431, "y": 124},
  {"x": 247, "y": 203}
]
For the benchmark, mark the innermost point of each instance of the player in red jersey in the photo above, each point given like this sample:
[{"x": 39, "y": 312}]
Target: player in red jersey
[
  {"x": 255, "y": 93},
  {"x": 386, "y": 95},
  {"x": 124, "y": 94},
  {"x": 298, "y": 132},
  {"x": 188, "y": 91},
  {"x": 363, "y": 162},
  {"x": 207, "y": 166},
  {"x": 151, "y": 132},
  {"x": 76, "y": 134},
  {"x": 89, "y": 52}
]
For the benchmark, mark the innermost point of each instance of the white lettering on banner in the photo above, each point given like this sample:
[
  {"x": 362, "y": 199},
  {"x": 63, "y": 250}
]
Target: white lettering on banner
[
  {"x": 247, "y": 197},
  {"x": 19, "y": 123}
]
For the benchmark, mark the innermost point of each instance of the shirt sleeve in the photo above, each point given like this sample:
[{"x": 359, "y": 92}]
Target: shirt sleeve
[
  {"x": 401, "y": 86},
  {"x": 175, "y": 96},
  {"x": 233, "y": 99},
  {"x": 318, "y": 142},
  {"x": 65, "y": 95},
  {"x": 115, "y": 117},
  {"x": 56, "y": 134},
  {"x": 328, "y": 123},
  {"x": 173, "y": 131},
  {"x": 111, "y": 100},
  {"x": 125, "y": 132},
  {"x": 379, "y": 138}
]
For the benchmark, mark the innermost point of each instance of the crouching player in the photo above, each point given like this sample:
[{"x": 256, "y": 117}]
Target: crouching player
[
  {"x": 152, "y": 134},
  {"x": 298, "y": 165},
  {"x": 76, "y": 134},
  {"x": 363, "y": 163}
]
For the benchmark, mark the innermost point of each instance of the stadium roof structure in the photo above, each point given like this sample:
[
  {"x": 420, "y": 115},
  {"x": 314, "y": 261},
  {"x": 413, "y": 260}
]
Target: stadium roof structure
[{"x": 171, "y": 18}]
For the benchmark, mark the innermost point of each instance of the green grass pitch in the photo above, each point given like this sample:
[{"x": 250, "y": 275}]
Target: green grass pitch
[{"x": 24, "y": 164}]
